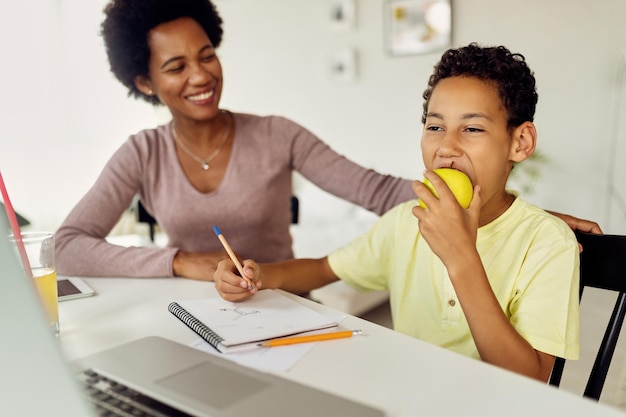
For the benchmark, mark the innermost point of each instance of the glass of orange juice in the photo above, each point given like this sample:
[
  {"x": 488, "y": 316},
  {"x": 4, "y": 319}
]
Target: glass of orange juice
[{"x": 39, "y": 248}]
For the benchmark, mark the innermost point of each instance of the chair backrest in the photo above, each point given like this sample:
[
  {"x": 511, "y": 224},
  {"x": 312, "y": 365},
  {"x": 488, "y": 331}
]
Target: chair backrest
[
  {"x": 144, "y": 217},
  {"x": 21, "y": 220},
  {"x": 603, "y": 266}
]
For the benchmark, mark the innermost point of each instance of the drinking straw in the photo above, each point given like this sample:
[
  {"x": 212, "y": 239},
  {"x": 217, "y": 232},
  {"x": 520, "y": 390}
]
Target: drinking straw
[{"x": 15, "y": 226}]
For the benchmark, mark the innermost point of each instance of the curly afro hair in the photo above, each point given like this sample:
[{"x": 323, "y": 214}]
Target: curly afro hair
[
  {"x": 507, "y": 71},
  {"x": 127, "y": 24}
]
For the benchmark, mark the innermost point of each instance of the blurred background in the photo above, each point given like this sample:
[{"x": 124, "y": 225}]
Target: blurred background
[{"x": 62, "y": 114}]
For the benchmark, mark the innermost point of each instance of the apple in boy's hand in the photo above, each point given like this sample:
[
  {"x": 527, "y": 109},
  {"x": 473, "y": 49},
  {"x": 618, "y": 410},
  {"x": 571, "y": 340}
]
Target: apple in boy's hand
[{"x": 457, "y": 181}]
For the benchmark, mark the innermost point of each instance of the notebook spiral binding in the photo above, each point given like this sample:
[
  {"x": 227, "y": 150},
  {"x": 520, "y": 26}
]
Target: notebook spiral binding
[{"x": 194, "y": 324}]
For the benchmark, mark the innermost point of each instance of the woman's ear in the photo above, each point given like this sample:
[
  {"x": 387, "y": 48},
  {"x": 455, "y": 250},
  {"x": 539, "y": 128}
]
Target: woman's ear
[
  {"x": 144, "y": 85},
  {"x": 524, "y": 142}
]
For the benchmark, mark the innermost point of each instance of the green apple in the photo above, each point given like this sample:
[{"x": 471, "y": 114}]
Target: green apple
[{"x": 457, "y": 181}]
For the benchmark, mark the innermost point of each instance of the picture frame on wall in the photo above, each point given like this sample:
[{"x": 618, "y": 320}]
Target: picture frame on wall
[
  {"x": 343, "y": 66},
  {"x": 342, "y": 15},
  {"x": 418, "y": 26}
]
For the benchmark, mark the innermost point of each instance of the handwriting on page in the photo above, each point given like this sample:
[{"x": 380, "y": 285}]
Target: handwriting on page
[{"x": 240, "y": 312}]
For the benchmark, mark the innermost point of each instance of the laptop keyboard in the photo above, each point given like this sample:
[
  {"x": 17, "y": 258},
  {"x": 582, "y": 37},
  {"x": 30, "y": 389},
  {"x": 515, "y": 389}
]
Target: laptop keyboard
[{"x": 112, "y": 398}]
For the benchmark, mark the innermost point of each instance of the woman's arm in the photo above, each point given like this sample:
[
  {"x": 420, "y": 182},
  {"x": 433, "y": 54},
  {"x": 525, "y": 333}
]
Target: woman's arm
[
  {"x": 336, "y": 174},
  {"x": 81, "y": 247},
  {"x": 368, "y": 188}
]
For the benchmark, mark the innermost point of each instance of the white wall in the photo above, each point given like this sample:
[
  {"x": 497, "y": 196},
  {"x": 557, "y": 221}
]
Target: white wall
[
  {"x": 62, "y": 114},
  {"x": 575, "y": 47},
  {"x": 61, "y": 107}
]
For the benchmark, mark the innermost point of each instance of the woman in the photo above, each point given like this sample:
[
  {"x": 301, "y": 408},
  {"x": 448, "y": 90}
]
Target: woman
[{"x": 208, "y": 166}]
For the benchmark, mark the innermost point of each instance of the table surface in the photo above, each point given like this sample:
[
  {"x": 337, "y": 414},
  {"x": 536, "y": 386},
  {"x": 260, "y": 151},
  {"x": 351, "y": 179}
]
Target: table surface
[{"x": 388, "y": 370}]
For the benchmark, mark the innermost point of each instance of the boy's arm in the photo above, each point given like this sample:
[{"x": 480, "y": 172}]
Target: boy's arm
[
  {"x": 297, "y": 276},
  {"x": 497, "y": 341},
  {"x": 451, "y": 233}
]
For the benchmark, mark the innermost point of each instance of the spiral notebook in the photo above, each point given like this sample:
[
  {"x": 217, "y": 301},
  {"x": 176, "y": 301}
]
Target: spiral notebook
[{"x": 231, "y": 327}]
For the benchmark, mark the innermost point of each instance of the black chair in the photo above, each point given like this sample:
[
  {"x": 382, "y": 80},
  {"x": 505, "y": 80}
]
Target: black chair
[
  {"x": 603, "y": 266},
  {"x": 21, "y": 220},
  {"x": 295, "y": 209},
  {"x": 144, "y": 217}
]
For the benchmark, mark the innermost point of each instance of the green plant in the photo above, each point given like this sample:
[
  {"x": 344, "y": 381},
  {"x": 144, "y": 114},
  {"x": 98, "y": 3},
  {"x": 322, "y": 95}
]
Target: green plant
[{"x": 526, "y": 173}]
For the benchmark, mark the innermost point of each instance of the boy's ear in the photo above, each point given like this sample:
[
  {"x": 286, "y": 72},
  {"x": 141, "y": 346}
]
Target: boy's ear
[
  {"x": 144, "y": 85},
  {"x": 524, "y": 142}
]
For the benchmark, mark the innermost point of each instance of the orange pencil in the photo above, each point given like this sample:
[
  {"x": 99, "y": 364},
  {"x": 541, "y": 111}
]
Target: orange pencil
[{"x": 311, "y": 338}]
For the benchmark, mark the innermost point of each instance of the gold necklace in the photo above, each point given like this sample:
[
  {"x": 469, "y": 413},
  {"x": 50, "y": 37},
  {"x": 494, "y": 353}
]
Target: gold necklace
[{"x": 204, "y": 163}]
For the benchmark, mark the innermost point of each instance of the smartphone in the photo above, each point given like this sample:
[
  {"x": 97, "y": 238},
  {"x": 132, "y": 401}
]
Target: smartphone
[{"x": 70, "y": 288}]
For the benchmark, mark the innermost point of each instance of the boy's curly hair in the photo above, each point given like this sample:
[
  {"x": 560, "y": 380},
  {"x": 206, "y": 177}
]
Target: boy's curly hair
[
  {"x": 507, "y": 71},
  {"x": 127, "y": 24}
]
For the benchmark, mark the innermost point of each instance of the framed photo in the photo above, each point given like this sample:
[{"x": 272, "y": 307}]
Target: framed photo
[
  {"x": 343, "y": 65},
  {"x": 418, "y": 26},
  {"x": 342, "y": 15}
]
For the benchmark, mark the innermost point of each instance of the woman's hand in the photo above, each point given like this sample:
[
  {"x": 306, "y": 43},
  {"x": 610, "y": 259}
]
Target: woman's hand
[
  {"x": 578, "y": 224},
  {"x": 231, "y": 286}
]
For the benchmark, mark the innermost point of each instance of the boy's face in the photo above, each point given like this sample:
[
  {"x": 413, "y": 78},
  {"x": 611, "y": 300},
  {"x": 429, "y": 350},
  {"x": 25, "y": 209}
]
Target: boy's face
[{"x": 466, "y": 129}]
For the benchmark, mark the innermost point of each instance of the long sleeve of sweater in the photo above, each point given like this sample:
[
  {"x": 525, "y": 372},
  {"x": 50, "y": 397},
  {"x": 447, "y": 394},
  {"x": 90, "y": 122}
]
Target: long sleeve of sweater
[
  {"x": 81, "y": 248},
  {"x": 251, "y": 205}
]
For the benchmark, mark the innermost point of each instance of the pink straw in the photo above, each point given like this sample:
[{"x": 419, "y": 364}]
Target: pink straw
[{"x": 15, "y": 226}]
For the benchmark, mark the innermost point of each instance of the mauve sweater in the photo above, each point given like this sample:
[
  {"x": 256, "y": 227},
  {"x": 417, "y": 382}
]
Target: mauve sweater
[{"x": 251, "y": 206}]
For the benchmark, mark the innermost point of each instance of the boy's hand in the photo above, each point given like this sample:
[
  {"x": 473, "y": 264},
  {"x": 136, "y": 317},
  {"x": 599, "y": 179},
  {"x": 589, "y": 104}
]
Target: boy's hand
[
  {"x": 231, "y": 286},
  {"x": 449, "y": 229}
]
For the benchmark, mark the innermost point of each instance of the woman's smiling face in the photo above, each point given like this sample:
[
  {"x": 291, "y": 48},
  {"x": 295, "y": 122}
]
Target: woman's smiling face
[{"x": 185, "y": 72}]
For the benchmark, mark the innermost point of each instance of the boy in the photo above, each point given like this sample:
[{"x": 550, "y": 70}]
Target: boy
[{"x": 496, "y": 281}]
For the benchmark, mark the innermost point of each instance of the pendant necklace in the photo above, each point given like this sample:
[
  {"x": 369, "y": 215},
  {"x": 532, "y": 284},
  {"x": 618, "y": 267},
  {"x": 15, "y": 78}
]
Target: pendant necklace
[{"x": 204, "y": 163}]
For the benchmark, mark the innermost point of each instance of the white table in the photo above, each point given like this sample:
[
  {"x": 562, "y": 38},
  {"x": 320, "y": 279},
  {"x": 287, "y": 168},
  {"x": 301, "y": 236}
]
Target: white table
[{"x": 391, "y": 371}]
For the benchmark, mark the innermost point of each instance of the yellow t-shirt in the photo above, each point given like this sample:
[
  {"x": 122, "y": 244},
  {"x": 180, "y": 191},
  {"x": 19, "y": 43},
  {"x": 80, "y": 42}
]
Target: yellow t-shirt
[{"x": 532, "y": 263}]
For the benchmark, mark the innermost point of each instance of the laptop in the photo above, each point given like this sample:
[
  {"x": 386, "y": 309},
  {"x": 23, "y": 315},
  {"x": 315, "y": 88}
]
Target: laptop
[
  {"x": 160, "y": 374},
  {"x": 34, "y": 378}
]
